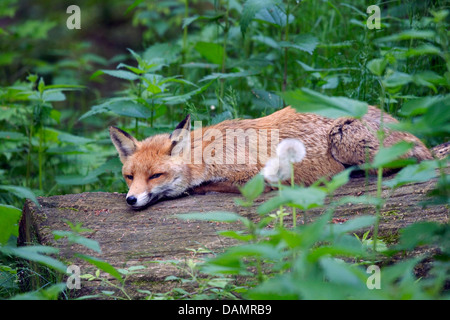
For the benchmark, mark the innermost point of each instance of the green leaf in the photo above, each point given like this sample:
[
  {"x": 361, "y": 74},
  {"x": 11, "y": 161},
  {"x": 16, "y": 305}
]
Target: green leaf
[
  {"x": 238, "y": 235},
  {"x": 9, "y": 219},
  {"x": 274, "y": 16},
  {"x": 306, "y": 100},
  {"x": 102, "y": 265},
  {"x": 419, "y": 106},
  {"x": 303, "y": 198},
  {"x": 423, "y": 233},
  {"x": 47, "y": 293},
  {"x": 253, "y": 188},
  {"x": 251, "y": 8},
  {"x": 161, "y": 53},
  {"x": 133, "y": 5},
  {"x": 377, "y": 66},
  {"x": 408, "y": 35},
  {"x": 130, "y": 109},
  {"x": 212, "y": 52},
  {"x": 420, "y": 172},
  {"x": 338, "y": 180},
  {"x": 339, "y": 272},
  {"x": 73, "y": 237},
  {"x": 120, "y": 106},
  {"x": 21, "y": 192},
  {"x": 75, "y": 179},
  {"x": 122, "y": 74},
  {"x": 189, "y": 20},
  {"x": 36, "y": 254},
  {"x": 387, "y": 155},
  {"x": 304, "y": 42},
  {"x": 12, "y": 136},
  {"x": 265, "y": 99},
  {"x": 435, "y": 121},
  {"x": 397, "y": 79},
  {"x": 216, "y": 216},
  {"x": 232, "y": 75}
]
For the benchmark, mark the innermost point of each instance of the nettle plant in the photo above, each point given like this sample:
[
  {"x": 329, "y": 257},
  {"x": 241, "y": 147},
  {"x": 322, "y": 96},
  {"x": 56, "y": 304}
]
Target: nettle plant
[
  {"x": 148, "y": 95},
  {"x": 321, "y": 259}
]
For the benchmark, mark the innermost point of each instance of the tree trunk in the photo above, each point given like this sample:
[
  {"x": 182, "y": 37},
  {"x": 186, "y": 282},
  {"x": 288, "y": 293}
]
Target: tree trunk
[{"x": 140, "y": 238}]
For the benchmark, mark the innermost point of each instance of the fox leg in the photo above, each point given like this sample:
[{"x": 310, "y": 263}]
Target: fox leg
[{"x": 222, "y": 187}]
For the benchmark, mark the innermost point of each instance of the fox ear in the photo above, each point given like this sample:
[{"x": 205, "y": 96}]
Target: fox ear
[
  {"x": 180, "y": 136},
  {"x": 183, "y": 128},
  {"x": 125, "y": 144}
]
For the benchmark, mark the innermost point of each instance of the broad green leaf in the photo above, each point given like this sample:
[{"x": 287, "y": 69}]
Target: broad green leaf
[
  {"x": 338, "y": 180},
  {"x": 73, "y": 237},
  {"x": 274, "y": 16},
  {"x": 36, "y": 254},
  {"x": 253, "y": 188},
  {"x": 232, "y": 75},
  {"x": 47, "y": 293},
  {"x": 130, "y": 109},
  {"x": 339, "y": 272},
  {"x": 122, "y": 74},
  {"x": 162, "y": 53},
  {"x": 435, "y": 121},
  {"x": 385, "y": 156},
  {"x": 21, "y": 192},
  {"x": 304, "y": 42},
  {"x": 212, "y": 52},
  {"x": 421, "y": 233},
  {"x": 70, "y": 138},
  {"x": 397, "y": 79},
  {"x": 420, "y": 172},
  {"x": 75, "y": 179},
  {"x": 408, "y": 35},
  {"x": 419, "y": 106},
  {"x": 251, "y": 8},
  {"x": 306, "y": 100},
  {"x": 377, "y": 66},
  {"x": 217, "y": 216},
  {"x": 267, "y": 99},
  {"x": 238, "y": 235},
  {"x": 121, "y": 106},
  {"x": 303, "y": 198},
  {"x": 189, "y": 20},
  {"x": 9, "y": 219},
  {"x": 133, "y": 5},
  {"x": 102, "y": 265},
  {"x": 12, "y": 136}
]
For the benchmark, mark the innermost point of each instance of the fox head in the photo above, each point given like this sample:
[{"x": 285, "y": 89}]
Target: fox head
[{"x": 150, "y": 167}]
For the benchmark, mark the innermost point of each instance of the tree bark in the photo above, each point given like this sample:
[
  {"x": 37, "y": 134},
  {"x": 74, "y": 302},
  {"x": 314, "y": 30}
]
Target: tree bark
[{"x": 141, "y": 238}]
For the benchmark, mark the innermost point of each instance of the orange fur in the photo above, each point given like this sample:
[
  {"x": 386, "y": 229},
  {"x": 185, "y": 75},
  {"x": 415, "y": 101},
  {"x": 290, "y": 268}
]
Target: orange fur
[{"x": 330, "y": 146}]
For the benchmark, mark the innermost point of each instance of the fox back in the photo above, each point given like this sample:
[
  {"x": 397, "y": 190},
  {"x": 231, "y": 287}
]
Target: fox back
[{"x": 230, "y": 153}]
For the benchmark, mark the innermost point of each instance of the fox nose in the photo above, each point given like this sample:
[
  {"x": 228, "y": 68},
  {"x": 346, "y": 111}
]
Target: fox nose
[{"x": 131, "y": 200}]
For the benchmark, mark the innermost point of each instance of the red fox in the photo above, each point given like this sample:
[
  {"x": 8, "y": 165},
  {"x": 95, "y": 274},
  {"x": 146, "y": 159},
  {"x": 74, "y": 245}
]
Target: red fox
[{"x": 226, "y": 155}]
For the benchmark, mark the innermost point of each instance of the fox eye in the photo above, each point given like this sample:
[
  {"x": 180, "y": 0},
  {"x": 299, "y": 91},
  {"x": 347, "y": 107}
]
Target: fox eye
[
  {"x": 129, "y": 177},
  {"x": 156, "y": 175}
]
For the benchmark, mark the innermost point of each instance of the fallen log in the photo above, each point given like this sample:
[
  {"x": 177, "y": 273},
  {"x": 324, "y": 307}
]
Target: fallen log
[{"x": 143, "y": 238}]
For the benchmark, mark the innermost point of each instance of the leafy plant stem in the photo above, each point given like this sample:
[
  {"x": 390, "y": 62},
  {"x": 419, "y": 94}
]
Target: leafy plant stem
[
  {"x": 281, "y": 207},
  {"x": 286, "y": 38},
  {"x": 294, "y": 210},
  {"x": 380, "y": 169},
  {"x": 224, "y": 53}
]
